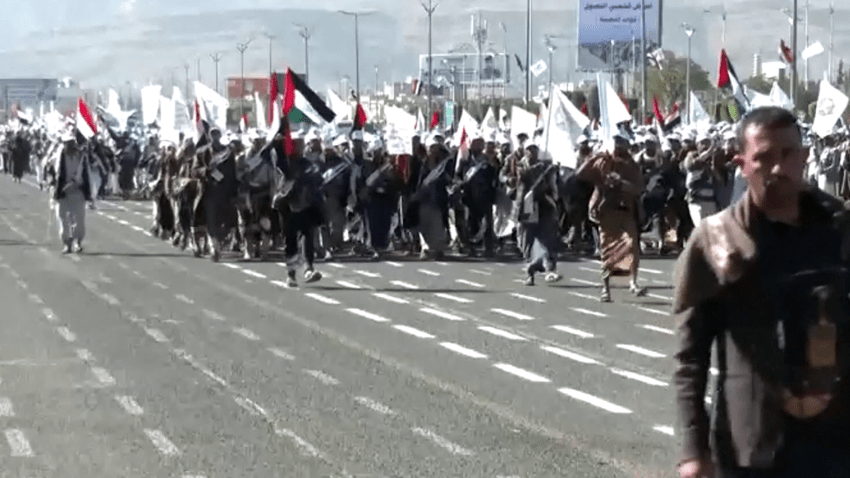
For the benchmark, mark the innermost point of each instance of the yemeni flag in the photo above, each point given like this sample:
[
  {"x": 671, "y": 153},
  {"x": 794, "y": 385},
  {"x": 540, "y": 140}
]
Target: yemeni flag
[
  {"x": 435, "y": 119},
  {"x": 297, "y": 95},
  {"x": 656, "y": 109},
  {"x": 86, "y": 125},
  {"x": 359, "y": 118},
  {"x": 726, "y": 77}
]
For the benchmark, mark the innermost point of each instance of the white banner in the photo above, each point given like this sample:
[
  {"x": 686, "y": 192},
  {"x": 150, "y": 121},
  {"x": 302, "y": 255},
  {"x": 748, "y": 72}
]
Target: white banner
[{"x": 150, "y": 103}]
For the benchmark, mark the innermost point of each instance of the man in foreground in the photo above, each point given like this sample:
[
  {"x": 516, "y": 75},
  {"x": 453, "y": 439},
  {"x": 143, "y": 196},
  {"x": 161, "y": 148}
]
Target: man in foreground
[
  {"x": 72, "y": 190},
  {"x": 767, "y": 281}
]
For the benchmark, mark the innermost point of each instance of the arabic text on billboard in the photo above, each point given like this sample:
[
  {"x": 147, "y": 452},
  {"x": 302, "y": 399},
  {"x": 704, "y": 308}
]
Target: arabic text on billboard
[{"x": 601, "y": 22}]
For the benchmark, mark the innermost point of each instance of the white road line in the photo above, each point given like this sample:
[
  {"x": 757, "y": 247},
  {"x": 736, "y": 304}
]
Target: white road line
[
  {"x": 664, "y": 429},
  {"x": 214, "y": 315},
  {"x": 123, "y": 222},
  {"x": 129, "y": 405},
  {"x": 250, "y": 406},
  {"x": 528, "y": 297},
  {"x": 138, "y": 229},
  {"x": 371, "y": 275},
  {"x": 183, "y": 298},
  {"x": 348, "y": 285},
  {"x": 429, "y": 273},
  {"x": 49, "y": 315},
  {"x": 160, "y": 285},
  {"x": 525, "y": 374},
  {"x": 470, "y": 283},
  {"x": 588, "y": 269},
  {"x": 501, "y": 333},
  {"x": 440, "y": 263},
  {"x": 480, "y": 272},
  {"x": 254, "y": 274},
  {"x": 103, "y": 376},
  {"x": 441, "y": 314},
  {"x": 639, "y": 377},
  {"x": 322, "y": 299},
  {"x": 651, "y": 271},
  {"x": 18, "y": 443},
  {"x": 162, "y": 444},
  {"x": 660, "y": 297},
  {"x": 306, "y": 447},
  {"x": 330, "y": 264},
  {"x": 462, "y": 350},
  {"x": 66, "y": 334},
  {"x": 110, "y": 299},
  {"x": 404, "y": 285},
  {"x": 393, "y": 264},
  {"x": 658, "y": 329},
  {"x": 442, "y": 442},
  {"x": 280, "y": 284},
  {"x": 659, "y": 282},
  {"x": 85, "y": 355},
  {"x": 586, "y": 282},
  {"x": 655, "y": 311},
  {"x": 322, "y": 377},
  {"x": 231, "y": 266},
  {"x": 36, "y": 299},
  {"x": 368, "y": 315},
  {"x": 462, "y": 300},
  {"x": 281, "y": 354},
  {"x": 595, "y": 401},
  {"x": 391, "y": 298},
  {"x": 512, "y": 314},
  {"x": 22, "y": 284},
  {"x": 157, "y": 335},
  {"x": 569, "y": 330},
  {"x": 570, "y": 355},
  {"x": 583, "y": 296},
  {"x": 374, "y": 406},
  {"x": 588, "y": 312},
  {"x": 641, "y": 350},
  {"x": 246, "y": 333},
  {"x": 413, "y": 331},
  {"x": 6, "y": 409}
]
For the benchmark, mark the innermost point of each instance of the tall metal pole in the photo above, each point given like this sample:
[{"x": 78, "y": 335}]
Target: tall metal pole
[
  {"x": 186, "y": 67},
  {"x": 199, "y": 69},
  {"x": 644, "y": 86},
  {"x": 690, "y": 32},
  {"x": 429, "y": 9},
  {"x": 271, "y": 64},
  {"x": 242, "y": 47},
  {"x": 794, "y": 56},
  {"x": 724, "y": 27},
  {"x": 505, "y": 74},
  {"x": 306, "y": 34},
  {"x": 831, "y": 37},
  {"x": 806, "y": 61},
  {"x": 356, "y": 16},
  {"x": 216, "y": 57},
  {"x": 528, "y": 52}
]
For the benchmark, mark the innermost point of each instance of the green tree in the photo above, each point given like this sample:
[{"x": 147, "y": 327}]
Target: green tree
[{"x": 669, "y": 84}]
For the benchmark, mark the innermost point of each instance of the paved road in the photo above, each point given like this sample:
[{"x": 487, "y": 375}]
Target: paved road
[{"x": 139, "y": 360}]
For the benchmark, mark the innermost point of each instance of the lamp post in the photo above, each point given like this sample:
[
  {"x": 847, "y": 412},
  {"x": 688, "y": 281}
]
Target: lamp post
[
  {"x": 429, "y": 9},
  {"x": 505, "y": 74},
  {"x": 479, "y": 35},
  {"x": 644, "y": 86},
  {"x": 216, "y": 57},
  {"x": 306, "y": 34},
  {"x": 242, "y": 47},
  {"x": 271, "y": 40},
  {"x": 689, "y": 31},
  {"x": 831, "y": 36},
  {"x": 356, "y": 16}
]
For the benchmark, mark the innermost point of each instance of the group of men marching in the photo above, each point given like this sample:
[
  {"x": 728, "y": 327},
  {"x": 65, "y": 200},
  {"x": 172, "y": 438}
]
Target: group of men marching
[{"x": 485, "y": 195}]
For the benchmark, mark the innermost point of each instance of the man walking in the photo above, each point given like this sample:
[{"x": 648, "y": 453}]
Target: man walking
[
  {"x": 767, "y": 281},
  {"x": 72, "y": 190}
]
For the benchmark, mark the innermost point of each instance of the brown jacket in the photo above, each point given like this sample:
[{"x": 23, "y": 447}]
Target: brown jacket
[{"x": 719, "y": 298}]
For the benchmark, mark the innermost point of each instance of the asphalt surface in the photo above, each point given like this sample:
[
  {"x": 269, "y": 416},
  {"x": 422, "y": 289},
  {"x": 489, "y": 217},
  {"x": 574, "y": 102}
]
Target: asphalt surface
[{"x": 136, "y": 359}]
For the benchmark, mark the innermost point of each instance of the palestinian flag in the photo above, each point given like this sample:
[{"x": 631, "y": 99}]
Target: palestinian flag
[
  {"x": 296, "y": 94},
  {"x": 726, "y": 77}
]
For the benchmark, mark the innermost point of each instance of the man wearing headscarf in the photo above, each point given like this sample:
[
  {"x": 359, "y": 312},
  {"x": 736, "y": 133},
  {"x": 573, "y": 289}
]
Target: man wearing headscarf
[{"x": 71, "y": 191}]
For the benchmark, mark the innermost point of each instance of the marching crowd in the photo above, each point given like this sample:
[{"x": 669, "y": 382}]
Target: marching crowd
[{"x": 485, "y": 194}]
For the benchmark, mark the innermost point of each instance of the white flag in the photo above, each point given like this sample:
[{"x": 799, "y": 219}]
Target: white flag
[
  {"x": 612, "y": 110},
  {"x": 489, "y": 125},
  {"x": 522, "y": 122},
  {"x": 260, "y": 112},
  {"x": 538, "y": 68},
  {"x": 468, "y": 123},
  {"x": 338, "y": 106},
  {"x": 214, "y": 103},
  {"x": 558, "y": 137},
  {"x": 699, "y": 117},
  {"x": 779, "y": 98},
  {"x": 831, "y": 105},
  {"x": 814, "y": 49},
  {"x": 150, "y": 103}
]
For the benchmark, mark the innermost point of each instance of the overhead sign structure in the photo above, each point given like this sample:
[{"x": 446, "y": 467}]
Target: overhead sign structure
[{"x": 609, "y": 33}]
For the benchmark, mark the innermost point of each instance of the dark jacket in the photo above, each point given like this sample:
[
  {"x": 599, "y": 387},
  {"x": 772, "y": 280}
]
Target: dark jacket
[
  {"x": 720, "y": 297},
  {"x": 61, "y": 180}
]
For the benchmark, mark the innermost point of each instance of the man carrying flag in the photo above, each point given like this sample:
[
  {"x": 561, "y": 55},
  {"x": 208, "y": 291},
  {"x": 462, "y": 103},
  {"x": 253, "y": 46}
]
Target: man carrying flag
[{"x": 72, "y": 187}]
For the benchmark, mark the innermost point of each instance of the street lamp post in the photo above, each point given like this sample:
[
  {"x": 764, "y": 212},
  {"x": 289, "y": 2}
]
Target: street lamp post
[
  {"x": 429, "y": 9},
  {"x": 375, "y": 102},
  {"x": 831, "y": 36},
  {"x": 505, "y": 74},
  {"x": 356, "y": 16},
  {"x": 794, "y": 57},
  {"x": 271, "y": 65},
  {"x": 479, "y": 34},
  {"x": 186, "y": 67},
  {"x": 216, "y": 57},
  {"x": 242, "y": 47},
  {"x": 305, "y": 33},
  {"x": 644, "y": 86},
  {"x": 689, "y": 31}
]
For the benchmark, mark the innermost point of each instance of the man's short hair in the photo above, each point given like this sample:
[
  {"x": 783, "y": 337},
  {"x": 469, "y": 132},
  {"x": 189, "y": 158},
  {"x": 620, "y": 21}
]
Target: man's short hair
[{"x": 771, "y": 117}]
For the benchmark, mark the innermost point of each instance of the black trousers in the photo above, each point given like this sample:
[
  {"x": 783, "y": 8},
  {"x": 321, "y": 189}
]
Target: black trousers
[{"x": 299, "y": 225}]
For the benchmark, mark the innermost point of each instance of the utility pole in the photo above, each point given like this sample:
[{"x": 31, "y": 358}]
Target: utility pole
[
  {"x": 528, "y": 52},
  {"x": 429, "y": 9},
  {"x": 356, "y": 16},
  {"x": 644, "y": 87},
  {"x": 199, "y": 69},
  {"x": 375, "y": 102},
  {"x": 305, "y": 33},
  {"x": 479, "y": 35},
  {"x": 242, "y": 47},
  {"x": 186, "y": 67},
  {"x": 271, "y": 66},
  {"x": 505, "y": 74},
  {"x": 216, "y": 57},
  {"x": 689, "y": 31},
  {"x": 831, "y": 37},
  {"x": 794, "y": 56},
  {"x": 806, "y": 60}
]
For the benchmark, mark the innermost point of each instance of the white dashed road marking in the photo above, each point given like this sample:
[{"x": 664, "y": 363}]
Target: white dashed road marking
[
  {"x": 441, "y": 314},
  {"x": 512, "y": 314},
  {"x": 160, "y": 285},
  {"x": 393, "y": 264},
  {"x": 322, "y": 377},
  {"x": 129, "y": 405},
  {"x": 281, "y": 354},
  {"x": 254, "y": 274},
  {"x": 306, "y": 447},
  {"x": 85, "y": 355},
  {"x": 588, "y": 312},
  {"x": 348, "y": 285},
  {"x": 641, "y": 350},
  {"x": 454, "y": 298},
  {"x": 462, "y": 350},
  {"x": 404, "y": 285},
  {"x": 470, "y": 283},
  {"x": 429, "y": 273},
  {"x": 501, "y": 333},
  {"x": 521, "y": 373},
  {"x": 374, "y": 406},
  {"x": 183, "y": 298},
  {"x": 49, "y": 315},
  {"x": 391, "y": 298},
  {"x": 162, "y": 444},
  {"x": 322, "y": 299},
  {"x": 6, "y": 409},
  {"x": 66, "y": 334},
  {"x": 103, "y": 376},
  {"x": 331, "y": 264},
  {"x": 214, "y": 315},
  {"x": 480, "y": 272},
  {"x": 528, "y": 297},
  {"x": 413, "y": 331},
  {"x": 585, "y": 282},
  {"x": 655, "y": 311},
  {"x": 18, "y": 443},
  {"x": 658, "y": 329},
  {"x": 246, "y": 333},
  {"x": 595, "y": 401},
  {"x": 371, "y": 275},
  {"x": 442, "y": 442},
  {"x": 157, "y": 335},
  {"x": 583, "y": 296},
  {"x": 639, "y": 378},
  {"x": 664, "y": 429},
  {"x": 660, "y": 297},
  {"x": 570, "y": 355},
  {"x": 368, "y": 315},
  {"x": 572, "y": 331}
]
